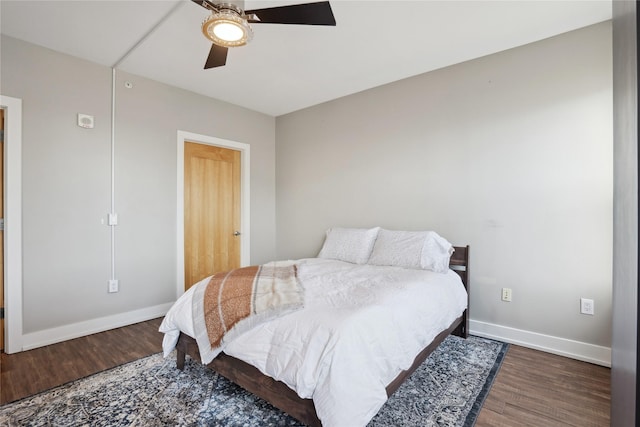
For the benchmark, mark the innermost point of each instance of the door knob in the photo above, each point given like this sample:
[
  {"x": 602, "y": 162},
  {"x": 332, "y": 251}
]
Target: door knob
[{"x": 236, "y": 233}]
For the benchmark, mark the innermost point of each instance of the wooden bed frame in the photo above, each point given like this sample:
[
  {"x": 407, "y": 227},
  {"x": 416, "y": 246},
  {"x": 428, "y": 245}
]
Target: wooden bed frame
[{"x": 281, "y": 396}]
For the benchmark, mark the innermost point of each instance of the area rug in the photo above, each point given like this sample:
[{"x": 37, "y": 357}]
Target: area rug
[{"x": 447, "y": 390}]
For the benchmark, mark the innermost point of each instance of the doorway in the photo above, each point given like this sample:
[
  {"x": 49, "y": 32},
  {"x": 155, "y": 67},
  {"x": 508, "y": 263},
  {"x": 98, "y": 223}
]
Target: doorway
[
  {"x": 211, "y": 210},
  {"x": 12, "y": 212},
  {"x": 243, "y": 229}
]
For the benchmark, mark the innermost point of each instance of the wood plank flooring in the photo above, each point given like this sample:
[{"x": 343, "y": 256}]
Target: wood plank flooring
[
  {"x": 30, "y": 372},
  {"x": 532, "y": 388}
]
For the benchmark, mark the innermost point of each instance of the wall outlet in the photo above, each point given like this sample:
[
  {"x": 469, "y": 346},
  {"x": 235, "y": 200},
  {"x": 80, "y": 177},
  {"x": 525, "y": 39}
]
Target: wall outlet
[
  {"x": 113, "y": 286},
  {"x": 587, "y": 306},
  {"x": 506, "y": 294}
]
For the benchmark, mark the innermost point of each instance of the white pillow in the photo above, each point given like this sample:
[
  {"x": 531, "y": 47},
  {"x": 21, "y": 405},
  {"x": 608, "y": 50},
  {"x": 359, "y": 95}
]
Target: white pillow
[
  {"x": 398, "y": 248},
  {"x": 412, "y": 249},
  {"x": 349, "y": 244},
  {"x": 436, "y": 253}
]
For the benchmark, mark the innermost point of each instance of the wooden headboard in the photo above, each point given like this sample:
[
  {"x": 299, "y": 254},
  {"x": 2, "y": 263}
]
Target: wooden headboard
[{"x": 459, "y": 262}]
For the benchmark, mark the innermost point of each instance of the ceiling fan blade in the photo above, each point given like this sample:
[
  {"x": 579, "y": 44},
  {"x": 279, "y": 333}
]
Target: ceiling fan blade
[
  {"x": 303, "y": 14},
  {"x": 204, "y": 3},
  {"x": 217, "y": 57}
]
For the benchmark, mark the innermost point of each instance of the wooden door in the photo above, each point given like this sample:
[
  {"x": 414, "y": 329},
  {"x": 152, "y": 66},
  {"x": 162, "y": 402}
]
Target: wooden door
[
  {"x": 2, "y": 229},
  {"x": 211, "y": 211}
]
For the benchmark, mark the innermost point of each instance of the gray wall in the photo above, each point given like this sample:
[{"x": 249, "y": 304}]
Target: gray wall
[
  {"x": 625, "y": 242},
  {"x": 66, "y": 183},
  {"x": 510, "y": 153}
]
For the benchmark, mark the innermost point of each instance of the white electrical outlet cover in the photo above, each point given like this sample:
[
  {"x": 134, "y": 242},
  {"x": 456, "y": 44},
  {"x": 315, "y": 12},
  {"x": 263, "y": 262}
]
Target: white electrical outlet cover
[{"x": 587, "y": 306}]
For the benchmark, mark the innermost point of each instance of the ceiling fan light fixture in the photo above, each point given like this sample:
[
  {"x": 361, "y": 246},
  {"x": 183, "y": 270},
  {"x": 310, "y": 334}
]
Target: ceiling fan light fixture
[
  {"x": 228, "y": 25},
  {"x": 227, "y": 28}
]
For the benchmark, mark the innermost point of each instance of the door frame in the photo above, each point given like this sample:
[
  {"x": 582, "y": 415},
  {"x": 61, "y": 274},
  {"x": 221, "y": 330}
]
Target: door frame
[
  {"x": 13, "y": 223},
  {"x": 245, "y": 228}
]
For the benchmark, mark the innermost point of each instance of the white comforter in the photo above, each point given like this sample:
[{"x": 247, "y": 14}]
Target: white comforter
[{"x": 360, "y": 327}]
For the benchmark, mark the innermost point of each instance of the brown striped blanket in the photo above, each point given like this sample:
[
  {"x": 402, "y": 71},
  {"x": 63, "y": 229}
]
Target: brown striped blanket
[{"x": 234, "y": 301}]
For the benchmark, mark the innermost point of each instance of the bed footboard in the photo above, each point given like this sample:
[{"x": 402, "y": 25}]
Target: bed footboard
[{"x": 459, "y": 263}]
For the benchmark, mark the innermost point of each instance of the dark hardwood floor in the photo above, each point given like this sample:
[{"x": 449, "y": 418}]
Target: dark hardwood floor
[
  {"x": 532, "y": 388},
  {"x": 30, "y": 372}
]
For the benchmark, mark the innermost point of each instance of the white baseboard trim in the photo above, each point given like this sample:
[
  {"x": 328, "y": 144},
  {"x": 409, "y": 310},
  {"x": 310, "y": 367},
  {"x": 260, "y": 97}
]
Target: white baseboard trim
[
  {"x": 561, "y": 346},
  {"x": 101, "y": 324}
]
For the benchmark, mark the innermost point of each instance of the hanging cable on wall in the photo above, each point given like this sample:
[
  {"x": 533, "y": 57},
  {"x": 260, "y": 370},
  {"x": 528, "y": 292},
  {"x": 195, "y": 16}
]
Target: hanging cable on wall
[{"x": 113, "y": 216}]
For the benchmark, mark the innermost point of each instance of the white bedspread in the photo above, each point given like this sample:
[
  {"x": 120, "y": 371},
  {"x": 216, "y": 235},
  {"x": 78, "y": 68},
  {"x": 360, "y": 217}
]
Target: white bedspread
[{"x": 360, "y": 327}]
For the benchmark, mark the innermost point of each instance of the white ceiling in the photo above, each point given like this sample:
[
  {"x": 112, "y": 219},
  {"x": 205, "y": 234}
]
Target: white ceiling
[{"x": 289, "y": 67}]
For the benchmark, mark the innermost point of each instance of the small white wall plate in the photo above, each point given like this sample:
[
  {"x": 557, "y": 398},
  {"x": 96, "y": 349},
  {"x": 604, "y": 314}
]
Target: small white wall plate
[{"x": 85, "y": 121}]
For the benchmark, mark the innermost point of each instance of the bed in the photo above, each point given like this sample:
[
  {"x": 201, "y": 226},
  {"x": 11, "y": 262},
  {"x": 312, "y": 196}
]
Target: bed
[{"x": 358, "y": 334}]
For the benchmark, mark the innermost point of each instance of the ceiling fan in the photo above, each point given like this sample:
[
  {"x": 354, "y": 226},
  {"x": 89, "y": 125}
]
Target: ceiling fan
[{"x": 228, "y": 24}]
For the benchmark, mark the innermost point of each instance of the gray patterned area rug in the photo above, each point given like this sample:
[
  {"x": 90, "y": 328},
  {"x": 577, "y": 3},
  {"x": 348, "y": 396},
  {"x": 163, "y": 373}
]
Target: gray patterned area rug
[{"x": 447, "y": 390}]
